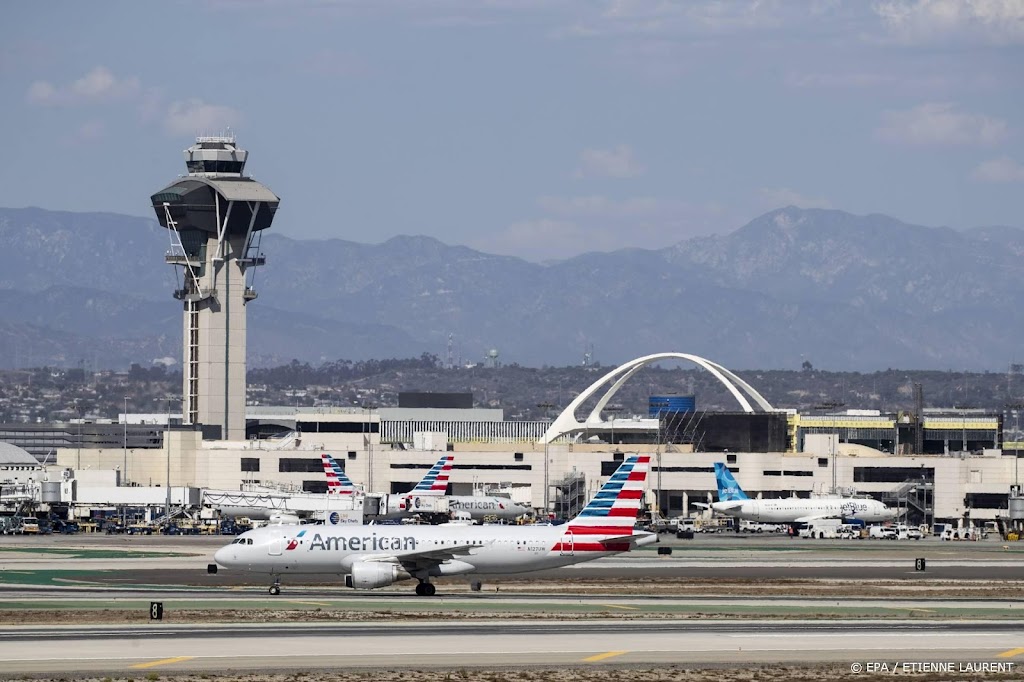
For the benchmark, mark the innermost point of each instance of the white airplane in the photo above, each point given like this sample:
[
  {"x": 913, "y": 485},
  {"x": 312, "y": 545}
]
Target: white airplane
[
  {"x": 377, "y": 556},
  {"x": 732, "y": 501},
  {"x": 433, "y": 487}
]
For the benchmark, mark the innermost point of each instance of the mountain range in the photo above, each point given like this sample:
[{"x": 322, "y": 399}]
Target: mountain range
[{"x": 841, "y": 291}]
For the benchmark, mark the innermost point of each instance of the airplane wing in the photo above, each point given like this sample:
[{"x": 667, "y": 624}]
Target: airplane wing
[
  {"x": 427, "y": 558},
  {"x": 817, "y": 517}
]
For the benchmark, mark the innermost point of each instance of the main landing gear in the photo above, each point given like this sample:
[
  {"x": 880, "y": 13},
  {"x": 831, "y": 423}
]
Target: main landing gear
[
  {"x": 425, "y": 589},
  {"x": 275, "y": 589}
]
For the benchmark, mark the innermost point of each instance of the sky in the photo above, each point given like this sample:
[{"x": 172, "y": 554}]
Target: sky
[{"x": 534, "y": 129}]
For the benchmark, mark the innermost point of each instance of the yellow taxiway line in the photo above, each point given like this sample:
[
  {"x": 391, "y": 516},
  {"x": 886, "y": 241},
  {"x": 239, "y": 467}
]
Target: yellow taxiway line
[
  {"x": 163, "y": 661},
  {"x": 601, "y": 657}
]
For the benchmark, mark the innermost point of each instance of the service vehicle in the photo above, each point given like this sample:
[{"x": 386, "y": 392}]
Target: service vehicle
[{"x": 882, "y": 533}]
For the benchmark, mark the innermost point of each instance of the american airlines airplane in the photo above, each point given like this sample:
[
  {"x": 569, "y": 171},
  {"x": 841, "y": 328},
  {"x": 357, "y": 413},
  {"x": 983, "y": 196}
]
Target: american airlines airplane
[
  {"x": 377, "y": 556},
  {"x": 433, "y": 486},
  {"x": 732, "y": 501}
]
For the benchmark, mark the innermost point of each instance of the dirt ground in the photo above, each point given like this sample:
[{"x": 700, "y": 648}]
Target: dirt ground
[{"x": 596, "y": 673}]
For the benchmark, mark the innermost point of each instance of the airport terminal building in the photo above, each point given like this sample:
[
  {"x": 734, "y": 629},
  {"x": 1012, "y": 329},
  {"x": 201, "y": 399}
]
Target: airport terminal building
[{"x": 772, "y": 454}]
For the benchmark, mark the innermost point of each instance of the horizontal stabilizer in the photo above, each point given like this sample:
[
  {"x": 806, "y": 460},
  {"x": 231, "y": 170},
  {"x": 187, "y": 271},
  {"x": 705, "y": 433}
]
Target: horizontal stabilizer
[{"x": 634, "y": 539}]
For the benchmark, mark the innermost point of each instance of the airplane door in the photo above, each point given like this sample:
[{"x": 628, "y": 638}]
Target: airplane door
[
  {"x": 275, "y": 547},
  {"x": 566, "y": 545}
]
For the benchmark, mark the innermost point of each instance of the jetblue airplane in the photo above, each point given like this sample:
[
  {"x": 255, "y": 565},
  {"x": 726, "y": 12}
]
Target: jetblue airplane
[
  {"x": 433, "y": 486},
  {"x": 376, "y": 556},
  {"x": 732, "y": 501}
]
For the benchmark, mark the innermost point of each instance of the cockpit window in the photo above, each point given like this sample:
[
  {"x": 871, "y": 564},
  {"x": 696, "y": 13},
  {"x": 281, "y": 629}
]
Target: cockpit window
[{"x": 249, "y": 541}]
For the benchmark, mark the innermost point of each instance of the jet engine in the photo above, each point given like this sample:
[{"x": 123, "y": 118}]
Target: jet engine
[{"x": 366, "y": 575}]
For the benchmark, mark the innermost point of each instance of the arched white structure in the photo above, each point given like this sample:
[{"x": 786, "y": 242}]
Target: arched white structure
[{"x": 566, "y": 422}]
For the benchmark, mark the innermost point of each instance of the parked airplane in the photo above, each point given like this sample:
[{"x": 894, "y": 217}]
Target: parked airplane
[
  {"x": 377, "y": 556},
  {"x": 732, "y": 501},
  {"x": 433, "y": 486}
]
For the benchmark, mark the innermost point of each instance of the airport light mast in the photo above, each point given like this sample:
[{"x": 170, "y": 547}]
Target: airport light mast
[{"x": 215, "y": 216}]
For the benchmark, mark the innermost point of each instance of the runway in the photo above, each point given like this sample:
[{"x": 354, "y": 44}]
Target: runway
[
  {"x": 166, "y": 561},
  {"x": 284, "y": 647},
  {"x": 718, "y": 601}
]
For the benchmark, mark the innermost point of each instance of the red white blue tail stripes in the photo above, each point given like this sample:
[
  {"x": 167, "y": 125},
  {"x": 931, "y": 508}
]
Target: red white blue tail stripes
[
  {"x": 612, "y": 513},
  {"x": 337, "y": 482},
  {"x": 436, "y": 480}
]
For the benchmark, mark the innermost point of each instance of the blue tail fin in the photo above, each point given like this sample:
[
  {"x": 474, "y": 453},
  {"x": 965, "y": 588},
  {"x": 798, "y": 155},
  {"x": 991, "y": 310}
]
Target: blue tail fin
[
  {"x": 436, "y": 480},
  {"x": 728, "y": 489},
  {"x": 337, "y": 482}
]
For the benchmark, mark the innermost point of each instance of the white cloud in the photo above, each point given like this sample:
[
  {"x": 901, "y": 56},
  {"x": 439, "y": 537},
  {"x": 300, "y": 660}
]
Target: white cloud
[
  {"x": 602, "y": 206},
  {"x": 617, "y": 162},
  {"x": 575, "y": 225},
  {"x": 777, "y": 197},
  {"x": 939, "y": 123},
  {"x": 194, "y": 116},
  {"x": 1002, "y": 169},
  {"x": 42, "y": 92},
  {"x": 537, "y": 240},
  {"x": 997, "y": 22},
  {"x": 99, "y": 84},
  {"x": 90, "y": 130}
]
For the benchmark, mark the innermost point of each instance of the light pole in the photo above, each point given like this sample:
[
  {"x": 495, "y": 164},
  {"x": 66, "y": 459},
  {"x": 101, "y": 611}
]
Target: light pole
[
  {"x": 613, "y": 410},
  {"x": 369, "y": 445},
  {"x": 124, "y": 466},
  {"x": 167, "y": 444},
  {"x": 1016, "y": 407},
  {"x": 547, "y": 482},
  {"x": 833, "y": 405},
  {"x": 78, "y": 411}
]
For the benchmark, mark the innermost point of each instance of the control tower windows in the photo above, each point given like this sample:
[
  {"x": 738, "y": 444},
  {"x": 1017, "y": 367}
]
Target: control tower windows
[{"x": 214, "y": 166}]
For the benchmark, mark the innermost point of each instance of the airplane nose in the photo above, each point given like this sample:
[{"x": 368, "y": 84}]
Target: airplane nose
[{"x": 223, "y": 557}]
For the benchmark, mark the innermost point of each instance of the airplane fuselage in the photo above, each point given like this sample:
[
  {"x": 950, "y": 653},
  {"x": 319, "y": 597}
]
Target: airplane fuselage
[
  {"x": 477, "y": 507},
  {"x": 792, "y": 510},
  {"x": 319, "y": 549}
]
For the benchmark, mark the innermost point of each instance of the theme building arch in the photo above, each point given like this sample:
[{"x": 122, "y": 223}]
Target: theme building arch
[{"x": 566, "y": 422}]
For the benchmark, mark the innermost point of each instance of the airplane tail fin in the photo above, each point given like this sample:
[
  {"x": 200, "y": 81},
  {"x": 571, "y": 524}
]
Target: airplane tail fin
[
  {"x": 728, "y": 489},
  {"x": 436, "y": 480},
  {"x": 337, "y": 482},
  {"x": 606, "y": 523}
]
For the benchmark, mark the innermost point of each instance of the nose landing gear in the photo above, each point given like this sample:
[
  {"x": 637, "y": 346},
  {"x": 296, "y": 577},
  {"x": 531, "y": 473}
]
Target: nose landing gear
[{"x": 275, "y": 589}]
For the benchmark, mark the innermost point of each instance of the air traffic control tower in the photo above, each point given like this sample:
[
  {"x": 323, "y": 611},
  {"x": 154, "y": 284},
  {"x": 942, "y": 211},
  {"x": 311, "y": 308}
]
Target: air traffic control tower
[{"x": 215, "y": 216}]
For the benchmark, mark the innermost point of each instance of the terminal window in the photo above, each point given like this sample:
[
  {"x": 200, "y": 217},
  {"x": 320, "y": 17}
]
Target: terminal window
[
  {"x": 314, "y": 486},
  {"x": 299, "y": 465},
  {"x": 250, "y": 464}
]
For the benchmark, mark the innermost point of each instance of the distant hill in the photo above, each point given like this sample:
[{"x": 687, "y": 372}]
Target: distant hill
[{"x": 843, "y": 292}]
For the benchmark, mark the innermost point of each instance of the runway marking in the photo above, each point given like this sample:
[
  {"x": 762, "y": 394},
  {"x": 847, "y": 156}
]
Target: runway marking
[
  {"x": 619, "y": 606},
  {"x": 314, "y": 603},
  {"x": 1012, "y": 652},
  {"x": 163, "y": 661},
  {"x": 601, "y": 657},
  {"x": 78, "y": 582}
]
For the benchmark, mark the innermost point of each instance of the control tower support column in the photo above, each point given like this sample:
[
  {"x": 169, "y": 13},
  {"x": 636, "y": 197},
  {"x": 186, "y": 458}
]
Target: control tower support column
[{"x": 215, "y": 216}]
